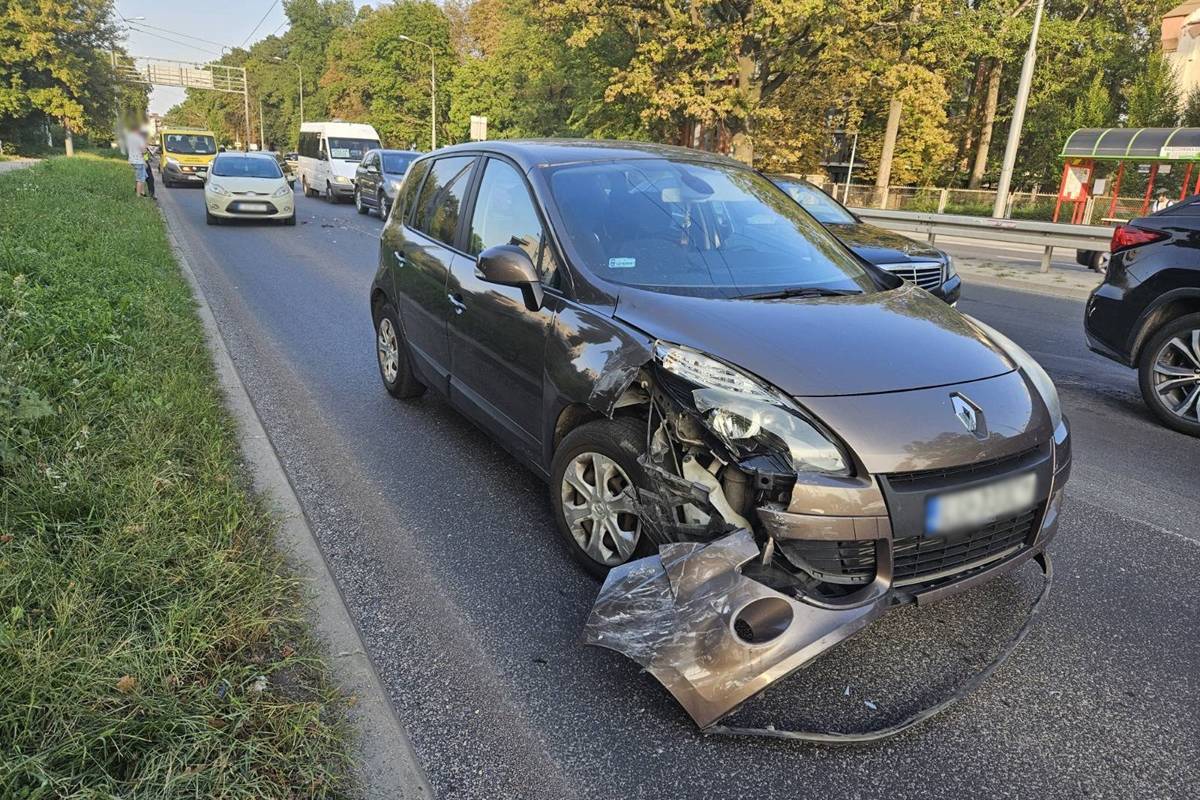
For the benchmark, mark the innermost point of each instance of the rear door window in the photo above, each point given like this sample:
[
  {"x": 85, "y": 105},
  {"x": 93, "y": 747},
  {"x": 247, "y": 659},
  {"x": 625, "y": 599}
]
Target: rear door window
[{"x": 441, "y": 197}]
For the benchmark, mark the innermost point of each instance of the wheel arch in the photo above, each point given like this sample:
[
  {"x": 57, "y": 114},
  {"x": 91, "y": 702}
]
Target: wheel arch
[{"x": 1170, "y": 306}]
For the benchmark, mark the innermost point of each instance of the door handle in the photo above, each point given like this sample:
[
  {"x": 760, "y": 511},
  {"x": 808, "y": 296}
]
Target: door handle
[
  {"x": 401, "y": 261},
  {"x": 456, "y": 301}
]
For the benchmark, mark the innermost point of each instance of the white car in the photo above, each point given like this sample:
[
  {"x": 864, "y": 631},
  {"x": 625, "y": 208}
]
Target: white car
[{"x": 247, "y": 186}]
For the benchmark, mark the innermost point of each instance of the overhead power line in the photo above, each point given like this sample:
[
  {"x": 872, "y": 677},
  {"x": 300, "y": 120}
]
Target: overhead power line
[
  {"x": 260, "y": 22},
  {"x": 175, "y": 33},
  {"x": 177, "y": 41}
]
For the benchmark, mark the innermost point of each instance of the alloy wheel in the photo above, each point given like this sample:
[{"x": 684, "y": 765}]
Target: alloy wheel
[
  {"x": 1177, "y": 375},
  {"x": 388, "y": 347},
  {"x": 358, "y": 200},
  {"x": 598, "y": 504}
]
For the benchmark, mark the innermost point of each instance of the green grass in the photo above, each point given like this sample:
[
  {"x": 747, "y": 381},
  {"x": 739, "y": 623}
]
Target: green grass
[{"x": 151, "y": 642}]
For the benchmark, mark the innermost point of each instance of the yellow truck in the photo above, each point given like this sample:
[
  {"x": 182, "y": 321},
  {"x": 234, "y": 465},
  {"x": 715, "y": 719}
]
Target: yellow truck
[{"x": 184, "y": 155}]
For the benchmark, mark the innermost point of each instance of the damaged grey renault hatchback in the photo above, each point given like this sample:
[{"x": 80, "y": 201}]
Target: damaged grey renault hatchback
[{"x": 723, "y": 398}]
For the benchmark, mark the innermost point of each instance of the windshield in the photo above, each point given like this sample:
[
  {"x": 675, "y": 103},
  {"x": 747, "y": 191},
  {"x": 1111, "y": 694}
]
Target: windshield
[
  {"x": 826, "y": 210},
  {"x": 708, "y": 229},
  {"x": 190, "y": 144},
  {"x": 227, "y": 166},
  {"x": 397, "y": 163},
  {"x": 350, "y": 149}
]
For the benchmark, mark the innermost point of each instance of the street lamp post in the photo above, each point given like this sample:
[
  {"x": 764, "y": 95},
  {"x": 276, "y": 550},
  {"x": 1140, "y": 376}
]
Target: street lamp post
[
  {"x": 1018, "y": 119},
  {"x": 432, "y": 90},
  {"x": 299, "y": 78}
]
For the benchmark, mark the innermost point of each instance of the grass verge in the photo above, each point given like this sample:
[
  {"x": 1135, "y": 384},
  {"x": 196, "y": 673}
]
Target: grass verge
[{"x": 152, "y": 644}]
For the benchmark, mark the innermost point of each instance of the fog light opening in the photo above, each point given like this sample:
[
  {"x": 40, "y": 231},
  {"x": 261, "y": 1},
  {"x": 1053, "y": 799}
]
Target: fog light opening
[{"x": 762, "y": 620}]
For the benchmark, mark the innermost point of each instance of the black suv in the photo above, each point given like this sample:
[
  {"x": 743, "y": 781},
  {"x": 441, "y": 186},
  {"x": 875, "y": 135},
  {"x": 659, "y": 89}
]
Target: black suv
[{"x": 1146, "y": 314}]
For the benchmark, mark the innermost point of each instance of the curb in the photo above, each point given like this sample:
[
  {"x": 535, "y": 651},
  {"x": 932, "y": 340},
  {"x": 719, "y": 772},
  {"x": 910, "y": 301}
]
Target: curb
[{"x": 387, "y": 765}]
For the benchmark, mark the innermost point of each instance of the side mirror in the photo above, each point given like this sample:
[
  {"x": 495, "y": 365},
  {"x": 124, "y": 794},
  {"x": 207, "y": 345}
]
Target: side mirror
[
  {"x": 371, "y": 168},
  {"x": 509, "y": 265}
]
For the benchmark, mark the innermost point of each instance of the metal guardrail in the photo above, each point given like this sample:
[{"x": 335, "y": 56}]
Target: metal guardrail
[{"x": 1048, "y": 235}]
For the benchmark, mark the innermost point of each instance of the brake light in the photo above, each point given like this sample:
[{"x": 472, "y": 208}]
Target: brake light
[{"x": 1127, "y": 236}]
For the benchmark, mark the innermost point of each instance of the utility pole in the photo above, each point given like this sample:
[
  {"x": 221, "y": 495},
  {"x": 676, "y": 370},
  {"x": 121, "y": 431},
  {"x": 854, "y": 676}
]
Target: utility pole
[
  {"x": 246, "y": 102},
  {"x": 432, "y": 90},
  {"x": 1018, "y": 119},
  {"x": 262, "y": 139}
]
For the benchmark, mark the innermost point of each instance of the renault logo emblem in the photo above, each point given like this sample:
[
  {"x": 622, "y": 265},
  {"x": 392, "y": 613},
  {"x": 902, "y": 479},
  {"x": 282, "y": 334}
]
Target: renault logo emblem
[{"x": 967, "y": 412}]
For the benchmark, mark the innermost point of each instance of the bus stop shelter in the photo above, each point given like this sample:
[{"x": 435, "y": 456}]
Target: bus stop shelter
[{"x": 1154, "y": 146}]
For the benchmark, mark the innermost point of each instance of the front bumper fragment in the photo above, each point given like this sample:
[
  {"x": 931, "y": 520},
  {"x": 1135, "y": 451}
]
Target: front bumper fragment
[{"x": 715, "y": 638}]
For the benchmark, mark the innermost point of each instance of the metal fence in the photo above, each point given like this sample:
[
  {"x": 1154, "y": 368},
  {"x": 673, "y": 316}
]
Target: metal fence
[{"x": 1030, "y": 205}]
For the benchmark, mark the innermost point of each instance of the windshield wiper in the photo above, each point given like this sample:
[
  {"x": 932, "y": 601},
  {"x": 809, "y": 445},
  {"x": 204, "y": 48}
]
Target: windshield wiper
[{"x": 800, "y": 291}]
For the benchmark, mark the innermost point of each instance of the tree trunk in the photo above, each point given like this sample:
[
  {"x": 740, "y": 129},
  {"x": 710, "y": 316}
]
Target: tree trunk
[
  {"x": 889, "y": 143},
  {"x": 743, "y": 140},
  {"x": 985, "y": 129},
  {"x": 970, "y": 118},
  {"x": 67, "y": 138}
]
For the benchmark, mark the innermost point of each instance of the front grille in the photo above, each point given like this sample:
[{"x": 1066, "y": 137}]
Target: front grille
[
  {"x": 966, "y": 472},
  {"x": 915, "y": 559},
  {"x": 919, "y": 558},
  {"x": 926, "y": 274}
]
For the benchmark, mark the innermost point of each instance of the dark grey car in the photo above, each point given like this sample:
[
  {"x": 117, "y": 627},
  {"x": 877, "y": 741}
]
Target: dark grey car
[
  {"x": 684, "y": 354},
  {"x": 378, "y": 177}
]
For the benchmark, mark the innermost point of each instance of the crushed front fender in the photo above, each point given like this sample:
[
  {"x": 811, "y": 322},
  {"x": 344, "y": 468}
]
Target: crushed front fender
[{"x": 713, "y": 637}]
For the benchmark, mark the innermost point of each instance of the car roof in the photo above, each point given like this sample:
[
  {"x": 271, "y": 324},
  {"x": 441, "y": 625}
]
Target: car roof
[
  {"x": 530, "y": 153},
  {"x": 249, "y": 153},
  {"x": 391, "y": 151}
]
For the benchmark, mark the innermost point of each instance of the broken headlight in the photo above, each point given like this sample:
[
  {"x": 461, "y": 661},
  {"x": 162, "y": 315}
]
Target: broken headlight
[{"x": 750, "y": 417}]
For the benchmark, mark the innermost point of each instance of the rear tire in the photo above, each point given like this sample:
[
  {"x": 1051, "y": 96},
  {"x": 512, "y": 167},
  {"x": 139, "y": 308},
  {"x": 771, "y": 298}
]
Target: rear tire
[
  {"x": 600, "y": 455},
  {"x": 1169, "y": 374},
  {"x": 391, "y": 351}
]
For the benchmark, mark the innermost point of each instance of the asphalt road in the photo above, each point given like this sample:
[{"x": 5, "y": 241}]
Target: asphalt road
[{"x": 445, "y": 550}]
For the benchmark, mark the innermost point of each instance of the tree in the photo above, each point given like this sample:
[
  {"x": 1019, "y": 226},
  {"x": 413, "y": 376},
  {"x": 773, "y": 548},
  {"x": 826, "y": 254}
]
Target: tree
[
  {"x": 54, "y": 59},
  {"x": 1153, "y": 96},
  {"x": 374, "y": 76},
  {"x": 1191, "y": 109}
]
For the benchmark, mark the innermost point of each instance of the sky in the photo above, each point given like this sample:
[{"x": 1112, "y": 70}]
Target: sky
[{"x": 174, "y": 30}]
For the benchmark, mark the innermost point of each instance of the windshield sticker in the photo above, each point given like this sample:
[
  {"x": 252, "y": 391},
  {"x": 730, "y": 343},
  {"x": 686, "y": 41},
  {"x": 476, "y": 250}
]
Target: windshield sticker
[
  {"x": 622, "y": 263},
  {"x": 339, "y": 152}
]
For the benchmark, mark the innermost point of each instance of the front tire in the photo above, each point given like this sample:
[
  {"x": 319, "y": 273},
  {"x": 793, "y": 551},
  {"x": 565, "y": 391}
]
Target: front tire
[
  {"x": 308, "y": 192},
  {"x": 594, "y": 481},
  {"x": 290, "y": 220},
  {"x": 392, "y": 355},
  {"x": 209, "y": 219},
  {"x": 358, "y": 203},
  {"x": 1169, "y": 374},
  {"x": 329, "y": 195},
  {"x": 385, "y": 208}
]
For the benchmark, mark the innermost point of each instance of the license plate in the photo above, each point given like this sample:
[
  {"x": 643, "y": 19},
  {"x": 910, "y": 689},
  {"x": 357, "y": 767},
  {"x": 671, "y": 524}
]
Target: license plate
[
  {"x": 253, "y": 206},
  {"x": 971, "y": 507}
]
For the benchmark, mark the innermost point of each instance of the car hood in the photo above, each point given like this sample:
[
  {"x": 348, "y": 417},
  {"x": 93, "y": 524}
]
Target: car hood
[
  {"x": 859, "y": 344},
  {"x": 263, "y": 186},
  {"x": 880, "y": 246}
]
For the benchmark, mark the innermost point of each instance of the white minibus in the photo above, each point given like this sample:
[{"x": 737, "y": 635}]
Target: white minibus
[{"x": 329, "y": 154}]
